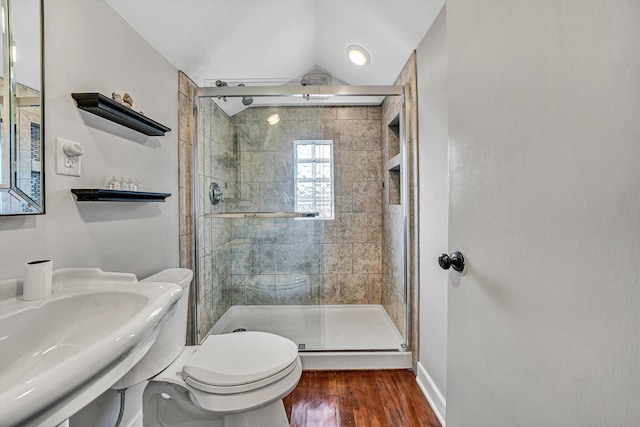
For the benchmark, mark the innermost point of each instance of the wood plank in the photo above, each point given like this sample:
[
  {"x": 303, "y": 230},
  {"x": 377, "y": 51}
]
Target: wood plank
[{"x": 359, "y": 398}]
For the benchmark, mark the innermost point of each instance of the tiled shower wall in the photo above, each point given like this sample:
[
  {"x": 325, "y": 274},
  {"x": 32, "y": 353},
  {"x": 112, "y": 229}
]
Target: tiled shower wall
[
  {"x": 393, "y": 247},
  {"x": 217, "y": 163},
  {"x": 186, "y": 136},
  {"x": 340, "y": 259},
  {"x": 275, "y": 260},
  {"x": 352, "y": 248}
]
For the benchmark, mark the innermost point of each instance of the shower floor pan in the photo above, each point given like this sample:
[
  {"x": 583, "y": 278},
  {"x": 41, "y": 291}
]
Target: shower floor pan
[{"x": 329, "y": 336}]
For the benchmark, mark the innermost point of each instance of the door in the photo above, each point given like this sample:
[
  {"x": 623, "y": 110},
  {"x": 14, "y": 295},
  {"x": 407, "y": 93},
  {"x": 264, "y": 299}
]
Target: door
[{"x": 545, "y": 204}]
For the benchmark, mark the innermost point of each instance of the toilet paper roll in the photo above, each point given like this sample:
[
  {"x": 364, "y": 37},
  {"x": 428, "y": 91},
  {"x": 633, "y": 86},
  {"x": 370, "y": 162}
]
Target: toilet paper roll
[{"x": 37, "y": 279}]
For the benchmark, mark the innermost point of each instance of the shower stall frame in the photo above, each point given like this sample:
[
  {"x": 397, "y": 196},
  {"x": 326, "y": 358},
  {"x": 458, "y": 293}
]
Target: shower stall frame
[{"x": 308, "y": 91}]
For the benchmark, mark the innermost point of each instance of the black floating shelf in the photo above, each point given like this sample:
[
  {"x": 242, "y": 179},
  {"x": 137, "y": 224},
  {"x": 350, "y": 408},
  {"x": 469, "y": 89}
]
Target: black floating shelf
[
  {"x": 109, "y": 109},
  {"x": 104, "y": 195}
]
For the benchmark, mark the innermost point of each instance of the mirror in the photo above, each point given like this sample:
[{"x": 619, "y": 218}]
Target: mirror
[{"x": 21, "y": 102}]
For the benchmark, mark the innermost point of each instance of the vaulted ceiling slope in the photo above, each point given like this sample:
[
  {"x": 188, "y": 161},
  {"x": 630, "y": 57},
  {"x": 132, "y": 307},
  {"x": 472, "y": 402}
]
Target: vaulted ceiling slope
[{"x": 281, "y": 39}]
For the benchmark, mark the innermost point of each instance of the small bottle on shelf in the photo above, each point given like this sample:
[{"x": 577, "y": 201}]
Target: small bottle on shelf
[
  {"x": 130, "y": 185},
  {"x": 137, "y": 186},
  {"x": 123, "y": 184},
  {"x": 112, "y": 183}
]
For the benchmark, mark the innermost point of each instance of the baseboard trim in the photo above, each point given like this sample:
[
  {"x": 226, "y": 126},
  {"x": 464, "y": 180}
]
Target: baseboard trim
[{"x": 431, "y": 392}]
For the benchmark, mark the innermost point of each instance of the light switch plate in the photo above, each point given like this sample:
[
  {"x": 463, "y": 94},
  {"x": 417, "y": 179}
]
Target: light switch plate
[{"x": 66, "y": 165}]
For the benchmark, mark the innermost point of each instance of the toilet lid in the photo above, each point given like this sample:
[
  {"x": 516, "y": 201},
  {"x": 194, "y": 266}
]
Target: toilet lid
[{"x": 236, "y": 359}]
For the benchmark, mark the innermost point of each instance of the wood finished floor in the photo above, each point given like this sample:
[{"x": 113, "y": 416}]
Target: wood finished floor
[{"x": 359, "y": 398}]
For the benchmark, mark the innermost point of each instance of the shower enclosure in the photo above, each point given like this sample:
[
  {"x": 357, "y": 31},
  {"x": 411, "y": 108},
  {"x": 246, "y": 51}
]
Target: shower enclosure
[{"x": 301, "y": 215}]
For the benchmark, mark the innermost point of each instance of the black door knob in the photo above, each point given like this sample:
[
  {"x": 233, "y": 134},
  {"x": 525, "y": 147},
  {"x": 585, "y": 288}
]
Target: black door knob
[
  {"x": 444, "y": 261},
  {"x": 455, "y": 260}
]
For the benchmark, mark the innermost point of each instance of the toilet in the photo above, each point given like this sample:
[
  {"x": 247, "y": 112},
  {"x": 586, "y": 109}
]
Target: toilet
[{"x": 230, "y": 380}]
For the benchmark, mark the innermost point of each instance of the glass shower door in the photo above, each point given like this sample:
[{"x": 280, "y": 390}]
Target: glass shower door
[
  {"x": 275, "y": 172},
  {"x": 310, "y": 240}
]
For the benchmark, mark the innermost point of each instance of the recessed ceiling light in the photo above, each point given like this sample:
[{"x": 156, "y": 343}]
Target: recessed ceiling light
[
  {"x": 273, "y": 119},
  {"x": 358, "y": 55}
]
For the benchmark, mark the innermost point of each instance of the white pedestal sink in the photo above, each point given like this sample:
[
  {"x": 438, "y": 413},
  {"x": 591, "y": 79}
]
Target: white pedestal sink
[{"x": 60, "y": 353}]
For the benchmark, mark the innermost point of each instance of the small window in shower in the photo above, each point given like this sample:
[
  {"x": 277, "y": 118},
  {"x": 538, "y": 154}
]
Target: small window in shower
[{"x": 314, "y": 177}]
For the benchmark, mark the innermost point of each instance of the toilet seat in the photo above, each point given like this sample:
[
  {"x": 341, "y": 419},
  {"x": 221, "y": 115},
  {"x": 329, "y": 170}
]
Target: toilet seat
[{"x": 239, "y": 362}]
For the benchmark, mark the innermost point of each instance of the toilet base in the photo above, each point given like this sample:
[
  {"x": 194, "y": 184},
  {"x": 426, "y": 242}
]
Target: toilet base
[
  {"x": 169, "y": 401},
  {"x": 168, "y": 405}
]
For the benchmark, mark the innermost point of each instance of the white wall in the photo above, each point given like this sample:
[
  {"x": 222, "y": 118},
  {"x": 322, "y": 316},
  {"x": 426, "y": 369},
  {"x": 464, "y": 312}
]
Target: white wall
[
  {"x": 434, "y": 208},
  {"x": 88, "y": 48},
  {"x": 544, "y": 148}
]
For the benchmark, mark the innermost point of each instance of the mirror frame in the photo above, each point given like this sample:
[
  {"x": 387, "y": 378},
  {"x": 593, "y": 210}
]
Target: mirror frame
[{"x": 9, "y": 110}]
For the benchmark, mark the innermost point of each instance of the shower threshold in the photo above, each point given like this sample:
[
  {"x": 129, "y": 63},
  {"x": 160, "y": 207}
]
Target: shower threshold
[{"x": 328, "y": 336}]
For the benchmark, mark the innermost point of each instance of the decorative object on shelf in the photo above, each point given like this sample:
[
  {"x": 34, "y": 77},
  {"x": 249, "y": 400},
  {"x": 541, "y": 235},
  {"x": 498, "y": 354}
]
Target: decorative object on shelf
[
  {"x": 109, "y": 109},
  {"x": 127, "y": 100},
  {"x": 124, "y": 184},
  {"x": 113, "y": 183},
  {"x": 104, "y": 195}
]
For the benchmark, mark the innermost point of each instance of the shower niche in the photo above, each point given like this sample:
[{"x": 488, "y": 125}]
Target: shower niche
[
  {"x": 393, "y": 137},
  {"x": 394, "y": 171}
]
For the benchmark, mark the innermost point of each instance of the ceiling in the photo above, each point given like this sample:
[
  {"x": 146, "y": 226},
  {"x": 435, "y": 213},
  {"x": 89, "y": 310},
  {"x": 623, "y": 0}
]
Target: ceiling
[
  {"x": 281, "y": 39},
  {"x": 274, "y": 41}
]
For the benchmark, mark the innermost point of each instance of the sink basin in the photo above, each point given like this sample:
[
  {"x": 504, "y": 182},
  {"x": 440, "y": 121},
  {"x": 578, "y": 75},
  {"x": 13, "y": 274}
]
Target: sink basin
[
  {"x": 70, "y": 325},
  {"x": 94, "y": 324}
]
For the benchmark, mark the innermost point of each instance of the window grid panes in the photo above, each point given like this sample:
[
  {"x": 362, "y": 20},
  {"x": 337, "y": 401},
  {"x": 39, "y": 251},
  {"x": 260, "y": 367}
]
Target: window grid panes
[{"x": 314, "y": 177}]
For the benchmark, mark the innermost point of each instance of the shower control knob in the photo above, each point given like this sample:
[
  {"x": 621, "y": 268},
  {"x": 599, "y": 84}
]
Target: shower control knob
[
  {"x": 454, "y": 260},
  {"x": 215, "y": 194}
]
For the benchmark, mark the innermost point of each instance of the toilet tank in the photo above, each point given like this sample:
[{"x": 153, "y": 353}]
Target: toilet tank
[{"x": 172, "y": 336}]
